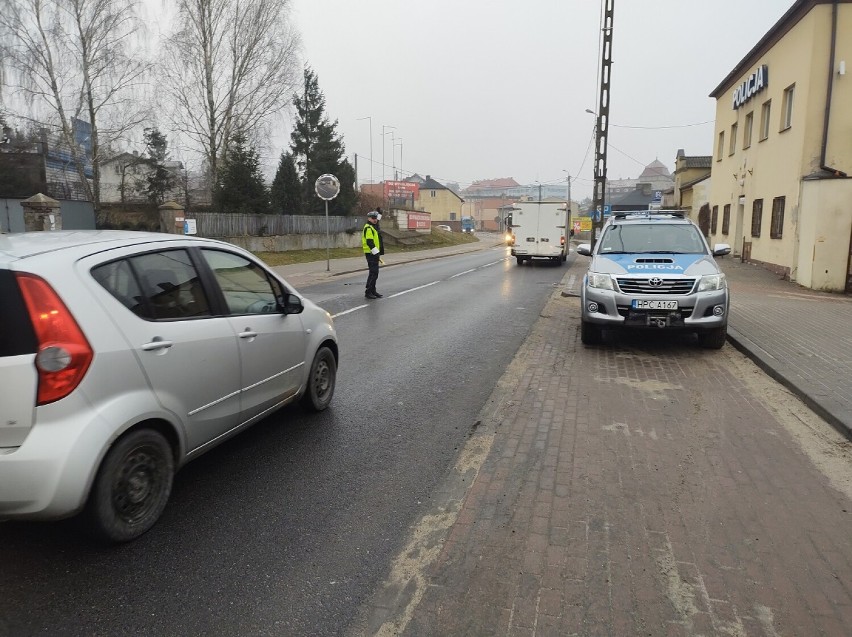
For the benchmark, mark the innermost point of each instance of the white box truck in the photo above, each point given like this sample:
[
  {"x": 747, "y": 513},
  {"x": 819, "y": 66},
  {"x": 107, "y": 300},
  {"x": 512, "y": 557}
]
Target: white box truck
[{"x": 540, "y": 230}]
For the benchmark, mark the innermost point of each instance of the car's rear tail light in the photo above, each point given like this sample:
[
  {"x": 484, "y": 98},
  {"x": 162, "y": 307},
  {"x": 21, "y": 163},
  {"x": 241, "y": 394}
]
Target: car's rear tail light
[
  {"x": 562, "y": 241},
  {"x": 64, "y": 354}
]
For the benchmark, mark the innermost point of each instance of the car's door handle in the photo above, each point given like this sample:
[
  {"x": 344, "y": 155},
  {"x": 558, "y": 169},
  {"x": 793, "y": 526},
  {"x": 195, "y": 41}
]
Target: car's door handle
[
  {"x": 157, "y": 344},
  {"x": 248, "y": 334}
]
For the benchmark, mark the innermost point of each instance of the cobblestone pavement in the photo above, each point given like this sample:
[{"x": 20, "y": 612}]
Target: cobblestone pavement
[
  {"x": 645, "y": 487},
  {"x": 801, "y": 337}
]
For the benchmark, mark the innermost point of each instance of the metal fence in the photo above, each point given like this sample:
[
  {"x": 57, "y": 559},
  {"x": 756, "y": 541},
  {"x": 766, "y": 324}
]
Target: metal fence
[{"x": 213, "y": 224}]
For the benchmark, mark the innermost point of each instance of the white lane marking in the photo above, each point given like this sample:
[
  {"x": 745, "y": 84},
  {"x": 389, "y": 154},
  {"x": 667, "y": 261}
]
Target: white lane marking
[
  {"x": 420, "y": 287},
  {"x": 357, "y": 307},
  {"x": 361, "y": 307}
]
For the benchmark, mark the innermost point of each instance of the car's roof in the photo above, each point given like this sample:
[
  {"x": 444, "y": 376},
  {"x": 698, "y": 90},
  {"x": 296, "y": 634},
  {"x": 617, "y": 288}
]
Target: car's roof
[
  {"x": 29, "y": 244},
  {"x": 645, "y": 216}
]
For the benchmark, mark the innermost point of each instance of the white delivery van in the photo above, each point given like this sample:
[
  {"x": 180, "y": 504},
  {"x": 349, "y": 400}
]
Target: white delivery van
[{"x": 540, "y": 230}]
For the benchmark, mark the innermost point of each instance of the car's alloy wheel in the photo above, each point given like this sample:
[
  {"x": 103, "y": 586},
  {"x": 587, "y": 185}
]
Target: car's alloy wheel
[
  {"x": 321, "y": 381},
  {"x": 132, "y": 487}
]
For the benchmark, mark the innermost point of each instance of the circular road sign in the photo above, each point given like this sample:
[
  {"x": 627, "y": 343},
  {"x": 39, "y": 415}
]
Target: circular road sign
[{"x": 327, "y": 187}]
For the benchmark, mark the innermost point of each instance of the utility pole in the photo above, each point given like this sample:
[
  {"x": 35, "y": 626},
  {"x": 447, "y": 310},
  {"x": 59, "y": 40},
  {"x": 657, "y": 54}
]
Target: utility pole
[
  {"x": 602, "y": 127},
  {"x": 371, "y": 145}
]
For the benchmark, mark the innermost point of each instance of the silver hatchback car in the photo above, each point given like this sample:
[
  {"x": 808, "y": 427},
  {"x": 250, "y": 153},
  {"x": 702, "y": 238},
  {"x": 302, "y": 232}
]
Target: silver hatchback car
[{"x": 123, "y": 355}]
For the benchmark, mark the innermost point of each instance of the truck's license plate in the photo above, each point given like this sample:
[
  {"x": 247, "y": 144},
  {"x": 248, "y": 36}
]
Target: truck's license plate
[{"x": 646, "y": 304}]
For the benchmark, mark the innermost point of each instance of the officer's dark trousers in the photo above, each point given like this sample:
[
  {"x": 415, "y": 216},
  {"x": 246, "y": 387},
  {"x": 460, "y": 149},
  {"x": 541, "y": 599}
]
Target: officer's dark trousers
[{"x": 373, "y": 267}]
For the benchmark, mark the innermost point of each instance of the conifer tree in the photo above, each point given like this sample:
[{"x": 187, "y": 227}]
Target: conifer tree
[
  {"x": 159, "y": 181},
  {"x": 318, "y": 150},
  {"x": 240, "y": 187},
  {"x": 286, "y": 192}
]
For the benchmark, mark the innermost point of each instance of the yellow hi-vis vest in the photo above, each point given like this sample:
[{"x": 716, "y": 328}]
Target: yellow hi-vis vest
[{"x": 370, "y": 232}]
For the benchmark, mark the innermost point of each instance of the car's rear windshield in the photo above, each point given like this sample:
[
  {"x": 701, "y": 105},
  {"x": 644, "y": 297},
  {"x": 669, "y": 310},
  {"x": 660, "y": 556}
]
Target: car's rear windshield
[{"x": 652, "y": 238}]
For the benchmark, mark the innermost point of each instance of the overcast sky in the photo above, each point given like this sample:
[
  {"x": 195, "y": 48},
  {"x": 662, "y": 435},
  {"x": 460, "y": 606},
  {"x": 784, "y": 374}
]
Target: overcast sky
[{"x": 481, "y": 89}]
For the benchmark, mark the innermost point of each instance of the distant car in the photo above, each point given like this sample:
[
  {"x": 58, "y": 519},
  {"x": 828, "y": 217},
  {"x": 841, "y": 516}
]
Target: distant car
[
  {"x": 654, "y": 270},
  {"x": 445, "y": 228},
  {"x": 124, "y": 355}
]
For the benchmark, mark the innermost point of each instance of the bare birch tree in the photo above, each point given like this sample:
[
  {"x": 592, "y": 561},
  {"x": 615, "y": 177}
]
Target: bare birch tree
[
  {"x": 230, "y": 64},
  {"x": 76, "y": 58}
]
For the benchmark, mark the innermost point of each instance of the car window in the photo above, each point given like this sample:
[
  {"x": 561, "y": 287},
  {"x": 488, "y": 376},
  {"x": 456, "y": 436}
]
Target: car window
[
  {"x": 245, "y": 285},
  {"x": 156, "y": 285}
]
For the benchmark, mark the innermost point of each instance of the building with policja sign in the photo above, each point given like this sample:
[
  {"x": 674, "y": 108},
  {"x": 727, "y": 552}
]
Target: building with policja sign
[{"x": 780, "y": 191}]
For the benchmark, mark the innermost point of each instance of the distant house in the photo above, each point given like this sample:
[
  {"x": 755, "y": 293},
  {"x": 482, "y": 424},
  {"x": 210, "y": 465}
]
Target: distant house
[
  {"x": 435, "y": 198},
  {"x": 486, "y": 188},
  {"x": 124, "y": 178},
  {"x": 122, "y": 175},
  {"x": 655, "y": 175},
  {"x": 691, "y": 173}
]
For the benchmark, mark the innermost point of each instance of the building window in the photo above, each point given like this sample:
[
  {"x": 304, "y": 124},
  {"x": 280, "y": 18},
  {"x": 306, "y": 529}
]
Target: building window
[
  {"x": 776, "y": 230},
  {"x": 787, "y": 108},
  {"x": 749, "y": 124},
  {"x": 432, "y": 193},
  {"x": 764, "y": 120},
  {"x": 726, "y": 219},
  {"x": 756, "y": 217},
  {"x": 721, "y": 146},
  {"x": 733, "y": 147},
  {"x": 714, "y": 220}
]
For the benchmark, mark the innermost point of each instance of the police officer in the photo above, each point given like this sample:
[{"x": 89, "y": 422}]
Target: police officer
[{"x": 371, "y": 241}]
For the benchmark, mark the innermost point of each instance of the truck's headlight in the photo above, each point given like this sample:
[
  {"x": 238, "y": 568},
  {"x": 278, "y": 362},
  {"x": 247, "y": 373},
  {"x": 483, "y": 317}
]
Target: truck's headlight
[
  {"x": 711, "y": 282},
  {"x": 601, "y": 281}
]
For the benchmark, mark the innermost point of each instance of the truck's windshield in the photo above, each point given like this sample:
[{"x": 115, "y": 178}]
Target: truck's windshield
[{"x": 652, "y": 238}]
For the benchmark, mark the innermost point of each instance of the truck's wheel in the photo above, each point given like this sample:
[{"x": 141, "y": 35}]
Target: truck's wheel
[
  {"x": 713, "y": 339},
  {"x": 590, "y": 333},
  {"x": 131, "y": 488},
  {"x": 520, "y": 260}
]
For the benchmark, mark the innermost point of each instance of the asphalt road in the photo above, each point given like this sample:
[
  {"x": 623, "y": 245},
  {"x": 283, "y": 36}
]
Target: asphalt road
[{"x": 289, "y": 527}]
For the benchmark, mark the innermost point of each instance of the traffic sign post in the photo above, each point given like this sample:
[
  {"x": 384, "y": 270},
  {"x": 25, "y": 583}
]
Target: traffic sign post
[{"x": 327, "y": 188}]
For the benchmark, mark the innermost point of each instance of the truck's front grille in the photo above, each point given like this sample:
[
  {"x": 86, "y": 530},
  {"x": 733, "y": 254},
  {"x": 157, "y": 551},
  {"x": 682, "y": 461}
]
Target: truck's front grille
[{"x": 655, "y": 285}]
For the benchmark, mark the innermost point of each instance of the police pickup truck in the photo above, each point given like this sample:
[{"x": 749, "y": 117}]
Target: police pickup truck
[{"x": 654, "y": 270}]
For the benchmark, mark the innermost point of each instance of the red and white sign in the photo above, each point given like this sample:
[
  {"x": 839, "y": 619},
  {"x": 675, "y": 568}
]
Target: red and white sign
[
  {"x": 419, "y": 221},
  {"x": 401, "y": 190}
]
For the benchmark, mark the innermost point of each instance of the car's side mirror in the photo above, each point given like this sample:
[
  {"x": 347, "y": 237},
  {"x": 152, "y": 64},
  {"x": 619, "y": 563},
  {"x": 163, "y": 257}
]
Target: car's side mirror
[
  {"x": 585, "y": 249},
  {"x": 721, "y": 249},
  {"x": 291, "y": 304}
]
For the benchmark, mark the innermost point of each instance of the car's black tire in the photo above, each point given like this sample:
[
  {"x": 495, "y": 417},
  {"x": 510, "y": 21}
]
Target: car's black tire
[
  {"x": 590, "y": 333},
  {"x": 131, "y": 488},
  {"x": 321, "y": 381},
  {"x": 520, "y": 260},
  {"x": 713, "y": 339}
]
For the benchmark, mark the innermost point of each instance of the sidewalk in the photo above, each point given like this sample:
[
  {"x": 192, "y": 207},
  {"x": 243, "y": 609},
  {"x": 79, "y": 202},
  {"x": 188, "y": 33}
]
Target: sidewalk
[{"x": 800, "y": 337}]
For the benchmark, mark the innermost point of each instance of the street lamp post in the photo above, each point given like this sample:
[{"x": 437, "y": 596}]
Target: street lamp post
[
  {"x": 400, "y": 155},
  {"x": 384, "y": 126},
  {"x": 360, "y": 119}
]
